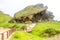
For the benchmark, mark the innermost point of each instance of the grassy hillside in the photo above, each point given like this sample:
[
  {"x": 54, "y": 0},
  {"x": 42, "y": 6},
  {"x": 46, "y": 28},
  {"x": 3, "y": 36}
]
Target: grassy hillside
[
  {"x": 18, "y": 35},
  {"x": 4, "y": 17},
  {"x": 4, "y": 22},
  {"x": 49, "y": 28},
  {"x": 41, "y": 31}
]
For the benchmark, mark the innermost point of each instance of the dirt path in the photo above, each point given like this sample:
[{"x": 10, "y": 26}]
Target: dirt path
[
  {"x": 30, "y": 26},
  {"x": 3, "y": 30},
  {"x": 56, "y": 37}
]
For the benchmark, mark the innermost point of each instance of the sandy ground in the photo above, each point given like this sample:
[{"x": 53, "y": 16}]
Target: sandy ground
[
  {"x": 56, "y": 37},
  {"x": 30, "y": 26}
]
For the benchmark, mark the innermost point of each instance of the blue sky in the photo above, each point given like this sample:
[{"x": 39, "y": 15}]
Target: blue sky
[{"x": 12, "y": 6}]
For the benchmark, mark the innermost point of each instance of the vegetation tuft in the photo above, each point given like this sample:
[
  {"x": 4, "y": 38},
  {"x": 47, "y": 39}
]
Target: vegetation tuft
[
  {"x": 18, "y": 35},
  {"x": 46, "y": 29}
]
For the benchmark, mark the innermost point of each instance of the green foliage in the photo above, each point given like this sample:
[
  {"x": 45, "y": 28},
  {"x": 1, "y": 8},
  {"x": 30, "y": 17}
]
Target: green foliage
[
  {"x": 28, "y": 11},
  {"x": 7, "y": 25},
  {"x": 4, "y": 17},
  {"x": 40, "y": 32},
  {"x": 20, "y": 26},
  {"x": 50, "y": 32},
  {"x": 4, "y": 22},
  {"x": 45, "y": 26},
  {"x": 18, "y": 35}
]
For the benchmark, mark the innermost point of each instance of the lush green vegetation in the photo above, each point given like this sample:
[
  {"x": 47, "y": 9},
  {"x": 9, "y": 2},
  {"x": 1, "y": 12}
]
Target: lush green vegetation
[
  {"x": 28, "y": 11},
  {"x": 4, "y": 22},
  {"x": 7, "y": 25},
  {"x": 41, "y": 31},
  {"x": 20, "y": 26},
  {"x": 4, "y": 18},
  {"x": 18, "y": 35},
  {"x": 49, "y": 28}
]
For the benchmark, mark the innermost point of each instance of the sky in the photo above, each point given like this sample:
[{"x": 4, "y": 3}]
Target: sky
[{"x": 12, "y": 6}]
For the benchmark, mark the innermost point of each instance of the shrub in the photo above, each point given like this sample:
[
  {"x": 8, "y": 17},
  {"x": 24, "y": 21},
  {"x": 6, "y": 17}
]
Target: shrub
[
  {"x": 7, "y": 25},
  {"x": 50, "y": 32},
  {"x": 20, "y": 26},
  {"x": 52, "y": 28}
]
